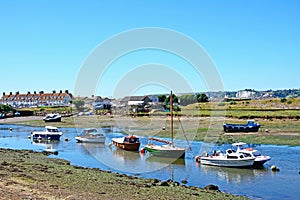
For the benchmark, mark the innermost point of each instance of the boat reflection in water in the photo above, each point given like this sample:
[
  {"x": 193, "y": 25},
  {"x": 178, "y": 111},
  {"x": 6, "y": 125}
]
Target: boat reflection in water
[
  {"x": 166, "y": 161},
  {"x": 91, "y": 148},
  {"x": 125, "y": 156},
  {"x": 233, "y": 175},
  {"x": 48, "y": 145}
]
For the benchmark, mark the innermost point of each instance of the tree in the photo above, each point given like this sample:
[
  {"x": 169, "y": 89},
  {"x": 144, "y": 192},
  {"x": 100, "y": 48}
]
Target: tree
[
  {"x": 162, "y": 98},
  {"x": 174, "y": 99},
  {"x": 187, "y": 99},
  {"x": 79, "y": 103},
  {"x": 202, "y": 98},
  {"x": 5, "y": 108}
]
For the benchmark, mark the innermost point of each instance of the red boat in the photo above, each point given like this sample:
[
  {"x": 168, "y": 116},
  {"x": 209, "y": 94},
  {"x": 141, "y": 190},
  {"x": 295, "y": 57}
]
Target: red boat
[{"x": 129, "y": 143}]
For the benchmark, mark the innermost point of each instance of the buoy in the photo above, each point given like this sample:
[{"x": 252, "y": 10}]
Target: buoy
[
  {"x": 10, "y": 129},
  {"x": 28, "y": 137},
  {"x": 197, "y": 159},
  {"x": 274, "y": 168},
  {"x": 66, "y": 139},
  {"x": 142, "y": 150}
]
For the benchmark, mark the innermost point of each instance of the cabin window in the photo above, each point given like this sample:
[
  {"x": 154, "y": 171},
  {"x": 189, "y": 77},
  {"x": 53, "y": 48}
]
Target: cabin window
[{"x": 234, "y": 157}]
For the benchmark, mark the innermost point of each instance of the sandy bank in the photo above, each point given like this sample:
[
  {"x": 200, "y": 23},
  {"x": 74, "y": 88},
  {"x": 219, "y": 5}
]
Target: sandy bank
[{"x": 20, "y": 119}]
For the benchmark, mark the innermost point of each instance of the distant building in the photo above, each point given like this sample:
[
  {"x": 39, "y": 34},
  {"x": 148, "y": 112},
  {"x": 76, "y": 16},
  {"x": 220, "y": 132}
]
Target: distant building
[
  {"x": 154, "y": 98},
  {"x": 101, "y": 103},
  {"x": 246, "y": 94},
  {"x": 34, "y": 99},
  {"x": 135, "y": 101}
]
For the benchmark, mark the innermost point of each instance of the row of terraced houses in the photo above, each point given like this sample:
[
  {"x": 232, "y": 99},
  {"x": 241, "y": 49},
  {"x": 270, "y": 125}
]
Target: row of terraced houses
[{"x": 34, "y": 99}]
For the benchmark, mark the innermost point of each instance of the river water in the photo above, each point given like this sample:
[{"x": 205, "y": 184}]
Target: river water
[{"x": 253, "y": 183}]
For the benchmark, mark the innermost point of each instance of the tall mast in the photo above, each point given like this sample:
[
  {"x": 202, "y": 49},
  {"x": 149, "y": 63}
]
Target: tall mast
[{"x": 171, "y": 114}]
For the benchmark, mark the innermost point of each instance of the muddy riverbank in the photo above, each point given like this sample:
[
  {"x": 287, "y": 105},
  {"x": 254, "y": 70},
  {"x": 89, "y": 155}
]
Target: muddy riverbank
[{"x": 26, "y": 174}]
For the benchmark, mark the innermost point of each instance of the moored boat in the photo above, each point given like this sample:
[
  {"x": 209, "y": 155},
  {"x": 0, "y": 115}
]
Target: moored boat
[
  {"x": 50, "y": 133},
  {"x": 169, "y": 150},
  {"x": 229, "y": 159},
  {"x": 52, "y": 118},
  {"x": 129, "y": 143},
  {"x": 251, "y": 126},
  {"x": 91, "y": 135},
  {"x": 259, "y": 158}
]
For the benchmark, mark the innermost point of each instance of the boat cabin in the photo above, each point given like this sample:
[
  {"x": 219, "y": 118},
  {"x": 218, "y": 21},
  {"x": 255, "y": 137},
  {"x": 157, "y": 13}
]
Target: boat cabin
[
  {"x": 131, "y": 139},
  {"x": 251, "y": 122},
  {"x": 51, "y": 129}
]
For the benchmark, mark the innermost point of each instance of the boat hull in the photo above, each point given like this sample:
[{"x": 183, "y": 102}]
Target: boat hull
[
  {"x": 53, "y": 120},
  {"x": 127, "y": 146},
  {"x": 227, "y": 162},
  {"x": 240, "y": 128},
  {"x": 260, "y": 160},
  {"x": 46, "y": 136},
  {"x": 90, "y": 140},
  {"x": 166, "y": 153}
]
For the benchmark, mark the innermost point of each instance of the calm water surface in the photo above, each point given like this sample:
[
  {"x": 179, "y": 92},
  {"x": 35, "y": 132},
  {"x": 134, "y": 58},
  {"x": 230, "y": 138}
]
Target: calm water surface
[{"x": 254, "y": 183}]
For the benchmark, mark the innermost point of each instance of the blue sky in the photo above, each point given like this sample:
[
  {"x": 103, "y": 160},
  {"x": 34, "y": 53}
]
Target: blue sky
[{"x": 253, "y": 44}]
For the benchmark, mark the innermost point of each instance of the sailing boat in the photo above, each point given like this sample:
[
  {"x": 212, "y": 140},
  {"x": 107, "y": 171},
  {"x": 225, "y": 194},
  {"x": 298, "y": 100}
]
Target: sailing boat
[{"x": 168, "y": 150}]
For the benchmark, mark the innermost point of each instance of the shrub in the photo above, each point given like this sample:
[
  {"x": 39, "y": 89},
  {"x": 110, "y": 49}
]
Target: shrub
[
  {"x": 282, "y": 100},
  {"x": 222, "y": 104},
  {"x": 232, "y": 102}
]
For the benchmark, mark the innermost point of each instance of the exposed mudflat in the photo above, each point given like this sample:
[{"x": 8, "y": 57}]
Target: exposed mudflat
[{"x": 26, "y": 174}]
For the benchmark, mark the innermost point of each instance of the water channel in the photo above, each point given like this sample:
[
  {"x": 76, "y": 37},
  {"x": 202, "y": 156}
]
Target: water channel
[{"x": 253, "y": 183}]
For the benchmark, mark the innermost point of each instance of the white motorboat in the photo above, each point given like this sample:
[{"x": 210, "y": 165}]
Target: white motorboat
[
  {"x": 229, "y": 159},
  {"x": 50, "y": 133},
  {"x": 259, "y": 158},
  {"x": 91, "y": 135},
  {"x": 52, "y": 118}
]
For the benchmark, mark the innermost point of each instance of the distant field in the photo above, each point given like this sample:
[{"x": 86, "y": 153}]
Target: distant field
[
  {"x": 279, "y": 120},
  {"x": 267, "y": 109}
]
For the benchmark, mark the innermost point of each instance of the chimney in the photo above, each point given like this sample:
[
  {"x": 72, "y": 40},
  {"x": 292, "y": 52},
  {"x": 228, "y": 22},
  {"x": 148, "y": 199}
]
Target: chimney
[
  {"x": 53, "y": 91},
  {"x": 41, "y": 92},
  {"x": 34, "y": 92},
  {"x": 28, "y": 92},
  {"x": 60, "y": 91},
  {"x": 10, "y": 93},
  {"x": 3, "y": 93},
  {"x": 17, "y": 93},
  {"x": 66, "y": 91}
]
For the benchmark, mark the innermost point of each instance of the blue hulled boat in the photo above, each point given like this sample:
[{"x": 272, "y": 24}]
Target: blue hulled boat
[{"x": 251, "y": 126}]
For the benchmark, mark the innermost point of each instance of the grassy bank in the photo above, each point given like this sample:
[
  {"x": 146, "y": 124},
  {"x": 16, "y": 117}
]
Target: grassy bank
[{"x": 30, "y": 175}]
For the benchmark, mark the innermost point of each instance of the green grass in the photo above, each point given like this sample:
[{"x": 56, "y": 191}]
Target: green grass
[{"x": 263, "y": 139}]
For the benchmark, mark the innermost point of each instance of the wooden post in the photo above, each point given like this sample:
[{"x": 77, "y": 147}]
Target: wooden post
[{"x": 171, "y": 114}]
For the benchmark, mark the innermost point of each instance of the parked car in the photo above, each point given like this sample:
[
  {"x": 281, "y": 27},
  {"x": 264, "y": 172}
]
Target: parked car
[
  {"x": 17, "y": 114},
  {"x": 2, "y": 115}
]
